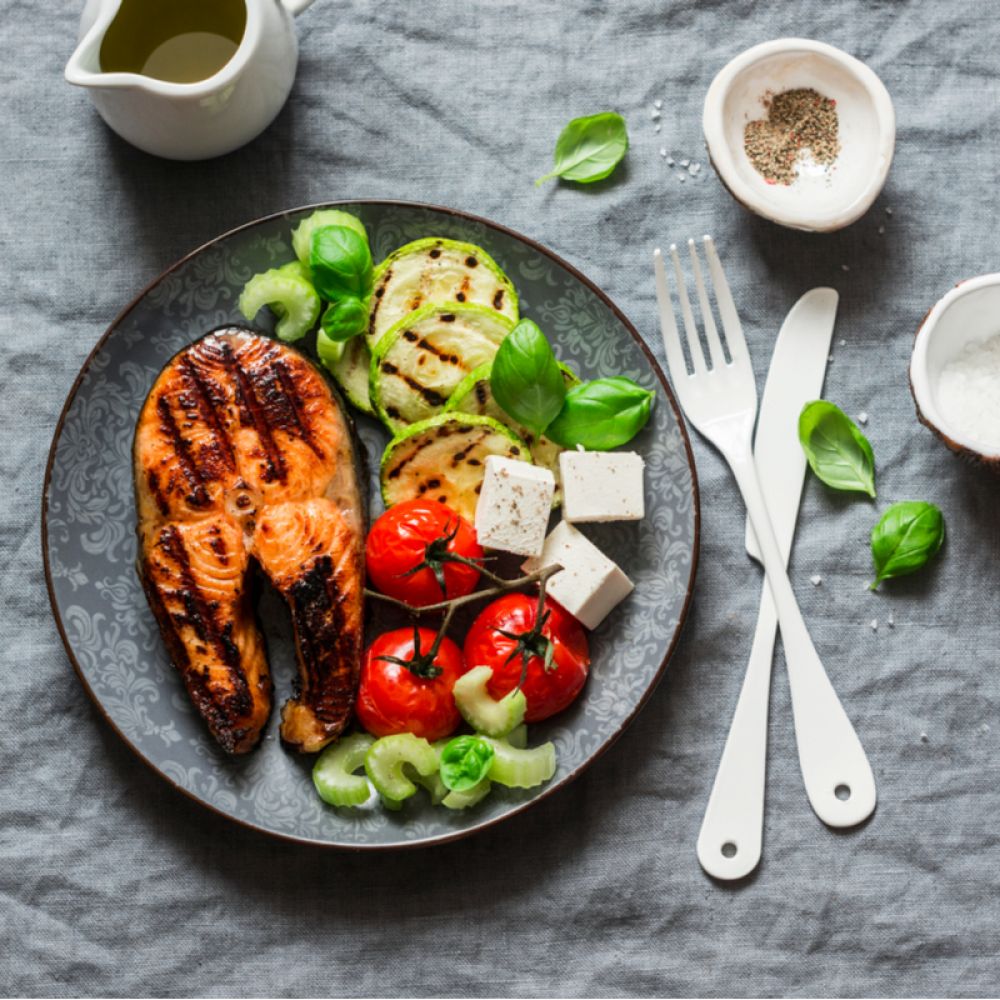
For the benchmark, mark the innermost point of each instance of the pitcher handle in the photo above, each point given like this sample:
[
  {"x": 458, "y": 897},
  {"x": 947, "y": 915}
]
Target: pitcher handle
[{"x": 295, "y": 7}]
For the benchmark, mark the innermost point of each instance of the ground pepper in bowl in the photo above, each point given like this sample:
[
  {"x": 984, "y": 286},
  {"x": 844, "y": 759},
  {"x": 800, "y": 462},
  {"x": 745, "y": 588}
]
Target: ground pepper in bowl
[{"x": 798, "y": 121}]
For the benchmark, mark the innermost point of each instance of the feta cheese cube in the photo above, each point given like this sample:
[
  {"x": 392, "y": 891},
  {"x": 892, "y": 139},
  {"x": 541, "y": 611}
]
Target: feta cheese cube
[
  {"x": 589, "y": 585},
  {"x": 514, "y": 506},
  {"x": 602, "y": 485}
]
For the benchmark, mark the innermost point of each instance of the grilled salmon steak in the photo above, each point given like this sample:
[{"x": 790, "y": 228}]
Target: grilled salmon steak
[{"x": 243, "y": 458}]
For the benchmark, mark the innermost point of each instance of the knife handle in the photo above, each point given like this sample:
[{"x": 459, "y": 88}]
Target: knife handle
[
  {"x": 731, "y": 836},
  {"x": 835, "y": 769}
]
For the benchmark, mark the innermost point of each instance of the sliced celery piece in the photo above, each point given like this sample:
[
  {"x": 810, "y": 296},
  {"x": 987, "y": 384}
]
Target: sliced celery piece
[
  {"x": 485, "y": 714},
  {"x": 302, "y": 233},
  {"x": 386, "y": 757},
  {"x": 333, "y": 773},
  {"x": 468, "y": 798},
  {"x": 292, "y": 299},
  {"x": 517, "y": 768}
]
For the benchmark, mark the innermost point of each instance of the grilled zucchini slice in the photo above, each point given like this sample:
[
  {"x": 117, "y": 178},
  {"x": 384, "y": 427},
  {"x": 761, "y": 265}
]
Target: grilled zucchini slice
[
  {"x": 440, "y": 271},
  {"x": 349, "y": 362},
  {"x": 473, "y": 395},
  {"x": 420, "y": 361},
  {"x": 443, "y": 458}
]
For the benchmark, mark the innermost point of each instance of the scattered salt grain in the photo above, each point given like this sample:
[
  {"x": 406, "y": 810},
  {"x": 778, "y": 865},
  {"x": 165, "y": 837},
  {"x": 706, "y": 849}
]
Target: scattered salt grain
[
  {"x": 657, "y": 129},
  {"x": 969, "y": 390},
  {"x": 670, "y": 161},
  {"x": 984, "y": 728},
  {"x": 845, "y": 267},
  {"x": 924, "y": 738},
  {"x": 816, "y": 580},
  {"x": 663, "y": 153},
  {"x": 657, "y": 105},
  {"x": 881, "y": 230},
  {"x": 693, "y": 169},
  {"x": 873, "y": 625},
  {"x": 843, "y": 343},
  {"x": 891, "y": 622},
  {"x": 862, "y": 418},
  {"x": 654, "y": 114},
  {"x": 830, "y": 358},
  {"x": 682, "y": 178},
  {"x": 888, "y": 211},
  {"x": 684, "y": 163}
]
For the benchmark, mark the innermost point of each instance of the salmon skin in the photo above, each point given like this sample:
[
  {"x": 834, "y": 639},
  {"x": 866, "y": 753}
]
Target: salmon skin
[{"x": 244, "y": 458}]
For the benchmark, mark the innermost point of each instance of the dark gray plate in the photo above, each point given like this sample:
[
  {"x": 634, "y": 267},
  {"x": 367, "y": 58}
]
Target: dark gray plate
[{"x": 88, "y": 536}]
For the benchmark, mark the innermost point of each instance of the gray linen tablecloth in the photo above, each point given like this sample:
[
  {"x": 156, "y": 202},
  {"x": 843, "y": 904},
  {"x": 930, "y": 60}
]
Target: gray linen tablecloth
[{"x": 114, "y": 884}]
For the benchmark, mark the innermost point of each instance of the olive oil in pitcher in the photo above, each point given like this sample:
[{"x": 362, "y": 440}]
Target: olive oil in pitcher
[{"x": 179, "y": 41}]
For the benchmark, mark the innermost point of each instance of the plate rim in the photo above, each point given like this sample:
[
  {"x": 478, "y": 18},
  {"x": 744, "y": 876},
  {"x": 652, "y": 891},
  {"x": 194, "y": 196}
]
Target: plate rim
[{"x": 546, "y": 792}]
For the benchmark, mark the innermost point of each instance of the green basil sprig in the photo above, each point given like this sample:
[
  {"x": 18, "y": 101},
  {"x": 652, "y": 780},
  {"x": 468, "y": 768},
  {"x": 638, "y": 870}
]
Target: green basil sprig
[
  {"x": 588, "y": 149},
  {"x": 602, "y": 414},
  {"x": 526, "y": 379},
  {"x": 465, "y": 761},
  {"x": 908, "y": 535},
  {"x": 345, "y": 318},
  {"x": 837, "y": 451},
  {"x": 341, "y": 263}
]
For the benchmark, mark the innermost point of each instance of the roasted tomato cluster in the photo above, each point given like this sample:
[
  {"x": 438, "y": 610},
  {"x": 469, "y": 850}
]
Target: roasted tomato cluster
[{"x": 421, "y": 552}]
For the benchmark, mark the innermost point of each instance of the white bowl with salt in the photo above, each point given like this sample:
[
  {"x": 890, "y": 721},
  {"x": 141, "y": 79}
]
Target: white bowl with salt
[
  {"x": 955, "y": 369},
  {"x": 830, "y": 186}
]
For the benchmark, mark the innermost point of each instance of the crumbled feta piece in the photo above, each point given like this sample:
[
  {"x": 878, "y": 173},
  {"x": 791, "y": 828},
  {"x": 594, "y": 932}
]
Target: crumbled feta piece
[
  {"x": 685, "y": 163},
  {"x": 589, "y": 585},
  {"x": 514, "y": 506},
  {"x": 602, "y": 485}
]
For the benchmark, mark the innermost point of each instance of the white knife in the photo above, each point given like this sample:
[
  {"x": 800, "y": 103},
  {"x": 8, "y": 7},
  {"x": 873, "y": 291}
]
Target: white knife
[{"x": 729, "y": 844}]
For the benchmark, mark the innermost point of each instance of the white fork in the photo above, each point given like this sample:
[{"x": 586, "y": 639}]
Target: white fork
[{"x": 721, "y": 402}]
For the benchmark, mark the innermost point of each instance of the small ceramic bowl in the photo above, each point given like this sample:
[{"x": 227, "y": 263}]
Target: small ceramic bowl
[
  {"x": 970, "y": 312},
  {"x": 822, "y": 199}
]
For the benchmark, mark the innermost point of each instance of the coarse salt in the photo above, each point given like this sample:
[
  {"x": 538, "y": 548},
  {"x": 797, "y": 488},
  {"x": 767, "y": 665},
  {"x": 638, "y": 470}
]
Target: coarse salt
[
  {"x": 969, "y": 391},
  {"x": 862, "y": 418},
  {"x": 816, "y": 580}
]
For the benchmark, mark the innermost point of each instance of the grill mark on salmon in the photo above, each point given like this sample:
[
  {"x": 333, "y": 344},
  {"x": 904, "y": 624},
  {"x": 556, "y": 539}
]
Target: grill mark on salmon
[
  {"x": 289, "y": 392},
  {"x": 256, "y": 416},
  {"x": 208, "y": 405},
  {"x": 198, "y": 497},
  {"x": 218, "y": 455}
]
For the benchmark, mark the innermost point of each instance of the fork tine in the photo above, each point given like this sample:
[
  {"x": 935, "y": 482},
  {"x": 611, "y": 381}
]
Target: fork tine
[
  {"x": 694, "y": 345},
  {"x": 727, "y": 308},
  {"x": 668, "y": 324},
  {"x": 707, "y": 319}
]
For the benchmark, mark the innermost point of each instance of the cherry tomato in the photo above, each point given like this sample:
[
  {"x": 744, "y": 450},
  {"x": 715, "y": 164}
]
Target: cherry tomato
[
  {"x": 392, "y": 698},
  {"x": 547, "y": 691},
  {"x": 424, "y": 533}
]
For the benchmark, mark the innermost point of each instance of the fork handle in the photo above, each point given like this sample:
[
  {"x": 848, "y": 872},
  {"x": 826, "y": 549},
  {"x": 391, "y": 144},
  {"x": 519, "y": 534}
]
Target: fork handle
[
  {"x": 731, "y": 835},
  {"x": 835, "y": 770}
]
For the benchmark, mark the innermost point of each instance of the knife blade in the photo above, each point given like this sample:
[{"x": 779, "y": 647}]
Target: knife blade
[
  {"x": 730, "y": 841},
  {"x": 795, "y": 377}
]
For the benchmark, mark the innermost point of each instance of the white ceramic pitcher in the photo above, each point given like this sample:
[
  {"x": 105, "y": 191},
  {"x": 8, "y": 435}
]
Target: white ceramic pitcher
[{"x": 194, "y": 121}]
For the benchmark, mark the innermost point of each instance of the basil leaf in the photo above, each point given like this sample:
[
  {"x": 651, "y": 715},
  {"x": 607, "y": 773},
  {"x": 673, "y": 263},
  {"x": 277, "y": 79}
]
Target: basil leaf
[
  {"x": 341, "y": 263},
  {"x": 837, "y": 451},
  {"x": 909, "y": 534},
  {"x": 465, "y": 761},
  {"x": 345, "y": 318},
  {"x": 588, "y": 149},
  {"x": 602, "y": 414},
  {"x": 525, "y": 379}
]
